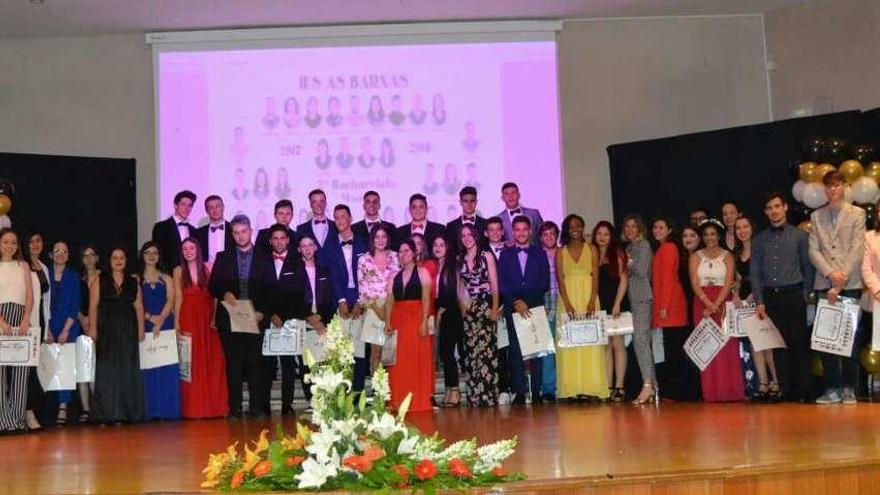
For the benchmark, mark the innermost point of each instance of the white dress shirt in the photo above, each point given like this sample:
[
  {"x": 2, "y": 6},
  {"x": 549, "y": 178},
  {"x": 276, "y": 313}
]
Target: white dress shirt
[
  {"x": 182, "y": 230},
  {"x": 348, "y": 253},
  {"x": 320, "y": 230},
  {"x": 278, "y": 263},
  {"x": 310, "y": 271},
  {"x": 216, "y": 239}
]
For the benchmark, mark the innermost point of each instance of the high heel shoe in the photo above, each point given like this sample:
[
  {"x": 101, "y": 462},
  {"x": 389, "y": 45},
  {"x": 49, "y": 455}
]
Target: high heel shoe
[
  {"x": 642, "y": 399},
  {"x": 762, "y": 393},
  {"x": 618, "y": 395},
  {"x": 774, "y": 393},
  {"x": 449, "y": 403}
]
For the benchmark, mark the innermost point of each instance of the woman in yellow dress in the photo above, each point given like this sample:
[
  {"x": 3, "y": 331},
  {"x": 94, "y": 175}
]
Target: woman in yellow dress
[{"x": 581, "y": 373}]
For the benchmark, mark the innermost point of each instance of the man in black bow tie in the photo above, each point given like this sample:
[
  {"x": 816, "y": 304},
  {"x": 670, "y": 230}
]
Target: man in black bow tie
[
  {"x": 467, "y": 197},
  {"x": 284, "y": 216},
  {"x": 372, "y": 206},
  {"x": 169, "y": 233},
  {"x": 513, "y": 209},
  {"x": 319, "y": 226},
  {"x": 418, "y": 209},
  {"x": 217, "y": 235}
]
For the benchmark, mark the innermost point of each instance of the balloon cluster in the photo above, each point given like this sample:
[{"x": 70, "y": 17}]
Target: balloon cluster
[
  {"x": 7, "y": 191},
  {"x": 856, "y": 163}
]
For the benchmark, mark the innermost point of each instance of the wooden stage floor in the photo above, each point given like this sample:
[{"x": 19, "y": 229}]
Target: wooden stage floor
[{"x": 676, "y": 448}]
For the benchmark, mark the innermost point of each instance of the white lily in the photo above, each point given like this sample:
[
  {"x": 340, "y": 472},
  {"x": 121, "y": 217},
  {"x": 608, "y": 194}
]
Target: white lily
[
  {"x": 322, "y": 443},
  {"x": 315, "y": 474},
  {"x": 385, "y": 426},
  {"x": 408, "y": 445}
]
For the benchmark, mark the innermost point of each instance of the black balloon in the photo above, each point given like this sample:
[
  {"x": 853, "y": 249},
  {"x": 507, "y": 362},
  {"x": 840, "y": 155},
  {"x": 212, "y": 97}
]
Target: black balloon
[
  {"x": 794, "y": 167},
  {"x": 870, "y": 213},
  {"x": 835, "y": 150},
  {"x": 7, "y": 188},
  {"x": 864, "y": 153},
  {"x": 813, "y": 148}
]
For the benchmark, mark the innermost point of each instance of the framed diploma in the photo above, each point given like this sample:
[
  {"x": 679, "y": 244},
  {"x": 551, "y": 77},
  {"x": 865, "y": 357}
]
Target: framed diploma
[
  {"x": 704, "y": 343},
  {"x": 286, "y": 340},
  {"x": 834, "y": 327},
  {"x": 20, "y": 350}
]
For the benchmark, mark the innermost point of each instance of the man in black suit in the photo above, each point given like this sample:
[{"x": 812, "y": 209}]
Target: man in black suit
[
  {"x": 284, "y": 216},
  {"x": 372, "y": 207},
  {"x": 467, "y": 197},
  {"x": 217, "y": 235},
  {"x": 418, "y": 209},
  {"x": 243, "y": 273},
  {"x": 169, "y": 233},
  {"x": 319, "y": 227},
  {"x": 286, "y": 296}
]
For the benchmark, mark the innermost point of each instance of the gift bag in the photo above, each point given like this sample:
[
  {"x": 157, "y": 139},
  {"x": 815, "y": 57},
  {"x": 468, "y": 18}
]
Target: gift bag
[
  {"x": 533, "y": 334},
  {"x": 57, "y": 368},
  {"x": 184, "y": 353},
  {"x": 621, "y": 325},
  {"x": 373, "y": 331},
  {"x": 503, "y": 336},
  {"x": 389, "y": 350},
  {"x": 156, "y": 352},
  {"x": 85, "y": 359},
  {"x": 734, "y": 316},
  {"x": 286, "y": 340},
  {"x": 315, "y": 343}
]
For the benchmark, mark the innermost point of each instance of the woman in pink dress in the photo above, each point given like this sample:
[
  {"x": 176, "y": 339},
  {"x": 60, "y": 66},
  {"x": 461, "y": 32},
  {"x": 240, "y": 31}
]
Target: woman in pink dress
[
  {"x": 711, "y": 273},
  {"x": 205, "y": 395}
]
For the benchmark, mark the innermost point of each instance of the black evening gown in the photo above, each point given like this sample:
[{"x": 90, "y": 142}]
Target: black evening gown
[{"x": 119, "y": 389}]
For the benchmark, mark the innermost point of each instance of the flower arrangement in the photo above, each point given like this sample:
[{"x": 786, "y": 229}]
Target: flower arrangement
[{"x": 353, "y": 445}]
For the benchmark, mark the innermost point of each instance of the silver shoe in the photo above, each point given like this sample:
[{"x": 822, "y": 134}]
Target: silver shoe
[
  {"x": 831, "y": 396},
  {"x": 848, "y": 396}
]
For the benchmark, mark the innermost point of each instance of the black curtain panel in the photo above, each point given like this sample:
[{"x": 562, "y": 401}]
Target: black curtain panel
[
  {"x": 76, "y": 199},
  {"x": 871, "y": 125},
  {"x": 671, "y": 176}
]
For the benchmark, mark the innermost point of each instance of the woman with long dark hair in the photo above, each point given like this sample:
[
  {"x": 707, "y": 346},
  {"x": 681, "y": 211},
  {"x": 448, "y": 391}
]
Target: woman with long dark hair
[
  {"x": 206, "y": 394},
  {"x": 64, "y": 325},
  {"x": 162, "y": 384},
  {"x": 16, "y": 301},
  {"x": 89, "y": 273},
  {"x": 39, "y": 317},
  {"x": 449, "y": 321},
  {"x": 613, "y": 280},
  {"x": 116, "y": 316}
]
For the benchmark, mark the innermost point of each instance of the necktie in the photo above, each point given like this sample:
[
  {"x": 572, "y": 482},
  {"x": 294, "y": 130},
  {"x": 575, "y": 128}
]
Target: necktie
[
  {"x": 320, "y": 221},
  {"x": 218, "y": 227},
  {"x": 347, "y": 243}
]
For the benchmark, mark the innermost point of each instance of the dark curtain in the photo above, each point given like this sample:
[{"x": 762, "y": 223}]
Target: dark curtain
[
  {"x": 671, "y": 176},
  {"x": 75, "y": 199}
]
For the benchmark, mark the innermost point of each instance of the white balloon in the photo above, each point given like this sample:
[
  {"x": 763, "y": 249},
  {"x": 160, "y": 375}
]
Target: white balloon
[
  {"x": 847, "y": 194},
  {"x": 864, "y": 190},
  {"x": 814, "y": 195},
  {"x": 797, "y": 190},
  {"x": 5, "y": 222}
]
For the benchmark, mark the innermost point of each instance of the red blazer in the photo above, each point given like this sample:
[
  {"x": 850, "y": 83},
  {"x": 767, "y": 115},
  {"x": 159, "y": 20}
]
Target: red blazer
[
  {"x": 667, "y": 288},
  {"x": 432, "y": 267}
]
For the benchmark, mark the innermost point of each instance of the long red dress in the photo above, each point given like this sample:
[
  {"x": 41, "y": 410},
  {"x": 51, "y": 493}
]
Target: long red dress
[
  {"x": 413, "y": 371},
  {"x": 722, "y": 380},
  {"x": 206, "y": 396}
]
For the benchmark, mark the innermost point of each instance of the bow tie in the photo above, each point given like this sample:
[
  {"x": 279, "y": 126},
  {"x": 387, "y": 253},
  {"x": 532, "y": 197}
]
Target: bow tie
[
  {"x": 279, "y": 257},
  {"x": 183, "y": 223},
  {"x": 418, "y": 226},
  {"x": 469, "y": 219},
  {"x": 777, "y": 229},
  {"x": 349, "y": 242},
  {"x": 370, "y": 225},
  {"x": 219, "y": 227},
  {"x": 517, "y": 211},
  {"x": 522, "y": 250},
  {"x": 319, "y": 221}
]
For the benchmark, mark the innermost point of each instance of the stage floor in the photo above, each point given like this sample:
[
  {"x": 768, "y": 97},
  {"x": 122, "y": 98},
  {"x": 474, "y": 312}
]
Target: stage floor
[{"x": 590, "y": 446}]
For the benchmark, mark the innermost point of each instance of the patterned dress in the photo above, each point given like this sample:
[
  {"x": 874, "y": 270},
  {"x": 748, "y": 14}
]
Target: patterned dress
[{"x": 480, "y": 334}]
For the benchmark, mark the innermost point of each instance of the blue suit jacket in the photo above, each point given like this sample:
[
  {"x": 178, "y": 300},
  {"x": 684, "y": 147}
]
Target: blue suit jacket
[
  {"x": 334, "y": 259},
  {"x": 530, "y": 287},
  {"x": 306, "y": 228}
]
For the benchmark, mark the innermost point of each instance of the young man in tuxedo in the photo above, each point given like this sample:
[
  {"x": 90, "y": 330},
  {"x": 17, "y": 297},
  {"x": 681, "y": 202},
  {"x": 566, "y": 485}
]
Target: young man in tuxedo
[
  {"x": 418, "y": 209},
  {"x": 372, "y": 206},
  {"x": 495, "y": 236},
  {"x": 341, "y": 256},
  {"x": 495, "y": 240},
  {"x": 467, "y": 197},
  {"x": 169, "y": 233},
  {"x": 284, "y": 216},
  {"x": 524, "y": 278},
  {"x": 243, "y": 273},
  {"x": 319, "y": 227},
  {"x": 513, "y": 209},
  {"x": 217, "y": 235},
  {"x": 286, "y": 302}
]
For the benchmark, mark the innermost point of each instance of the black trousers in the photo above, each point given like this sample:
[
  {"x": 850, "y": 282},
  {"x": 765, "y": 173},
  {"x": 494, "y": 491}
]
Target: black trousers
[
  {"x": 671, "y": 373},
  {"x": 293, "y": 368},
  {"x": 451, "y": 337},
  {"x": 788, "y": 310},
  {"x": 245, "y": 361}
]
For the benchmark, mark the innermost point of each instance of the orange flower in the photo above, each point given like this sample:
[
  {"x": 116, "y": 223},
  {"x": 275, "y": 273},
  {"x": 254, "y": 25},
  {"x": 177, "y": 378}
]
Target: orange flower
[
  {"x": 498, "y": 471},
  {"x": 294, "y": 461},
  {"x": 237, "y": 479},
  {"x": 374, "y": 453},
  {"x": 262, "y": 469},
  {"x": 458, "y": 468},
  {"x": 426, "y": 469},
  {"x": 401, "y": 470},
  {"x": 358, "y": 462}
]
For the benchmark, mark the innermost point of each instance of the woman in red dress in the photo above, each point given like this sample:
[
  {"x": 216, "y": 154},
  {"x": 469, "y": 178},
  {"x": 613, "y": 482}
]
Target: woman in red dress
[
  {"x": 407, "y": 308},
  {"x": 206, "y": 395}
]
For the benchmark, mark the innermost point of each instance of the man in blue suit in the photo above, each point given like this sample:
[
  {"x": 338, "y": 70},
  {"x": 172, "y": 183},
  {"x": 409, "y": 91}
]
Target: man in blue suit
[
  {"x": 524, "y": 277},
  {"x": 341, "y": 253}
]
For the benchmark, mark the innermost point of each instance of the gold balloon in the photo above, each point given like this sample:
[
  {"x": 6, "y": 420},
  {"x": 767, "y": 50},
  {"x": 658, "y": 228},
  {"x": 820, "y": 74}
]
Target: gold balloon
[
  {"x": 873, "y": 165},
  {"x": 5, "y": 204},
  {"x": 823, "y": 169},
  {"x": 806, "y": 225},
  {"x": 852, "y": 170},
  {"x": 808, "y": 171},
  {"x": 872, "y": 173},
  {"x": 816, "y": 367},
  {"x": 870, "y": 359}
]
